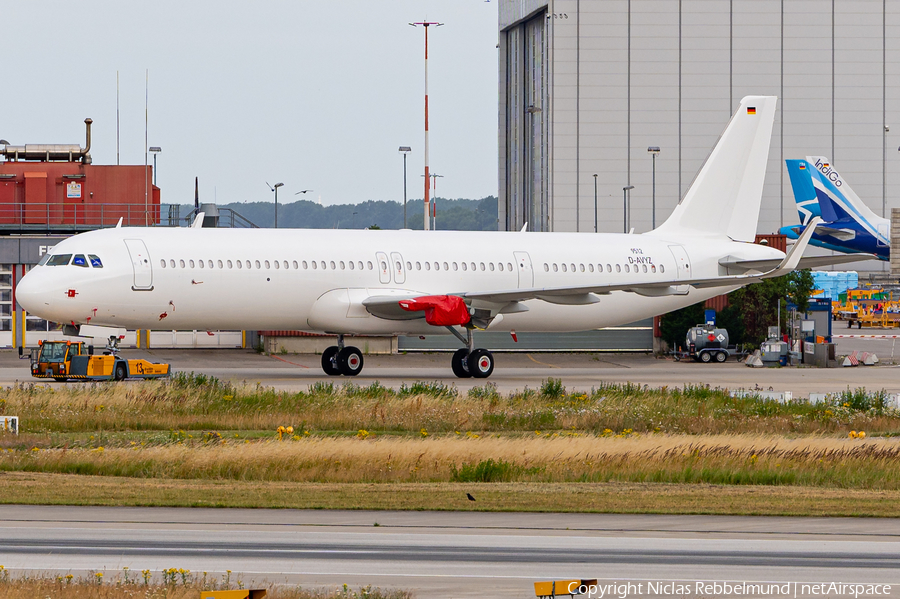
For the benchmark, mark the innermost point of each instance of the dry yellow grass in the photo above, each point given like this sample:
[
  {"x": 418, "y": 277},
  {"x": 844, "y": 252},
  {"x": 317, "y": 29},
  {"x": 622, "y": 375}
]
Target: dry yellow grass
[
  {"x": 718, "y": 459},
  {"x": 52, "y": 587},
  {"x": 67, "y": 489},
  {"x": 198, "y": 403}
]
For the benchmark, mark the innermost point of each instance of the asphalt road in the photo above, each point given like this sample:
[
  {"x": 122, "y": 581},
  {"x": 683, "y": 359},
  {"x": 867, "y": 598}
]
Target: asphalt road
[
  {"x": 515, "y": 371},
  {"x": 449, "y": 554}
]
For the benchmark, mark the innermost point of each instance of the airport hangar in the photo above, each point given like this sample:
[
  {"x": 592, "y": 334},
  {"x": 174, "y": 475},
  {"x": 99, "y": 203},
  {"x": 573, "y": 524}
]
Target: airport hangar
[{"x": 587, "y": 87}]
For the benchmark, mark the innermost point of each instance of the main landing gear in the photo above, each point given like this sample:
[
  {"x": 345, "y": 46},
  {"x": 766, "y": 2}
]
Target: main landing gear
[
  {"x": 338, "y": 359},
  {"x": 469, "y": 361}
]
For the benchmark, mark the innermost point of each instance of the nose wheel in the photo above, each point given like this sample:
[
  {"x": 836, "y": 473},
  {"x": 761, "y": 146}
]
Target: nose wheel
[{"x": 342, "y": 360}]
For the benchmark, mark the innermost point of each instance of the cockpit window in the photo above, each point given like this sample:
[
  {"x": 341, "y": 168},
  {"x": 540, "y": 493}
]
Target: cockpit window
[
  {"x": 43, "y": 260},
  {"x": 95, "y": 261},
  {"x": 59, "y": 260},
  {"x": 80, "y": 260}
]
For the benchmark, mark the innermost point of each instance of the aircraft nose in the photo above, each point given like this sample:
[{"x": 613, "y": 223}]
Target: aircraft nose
[{"x": 28, "y": 293}]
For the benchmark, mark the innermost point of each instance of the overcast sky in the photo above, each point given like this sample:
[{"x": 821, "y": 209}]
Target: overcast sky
[{"x": 316, "y": 94}]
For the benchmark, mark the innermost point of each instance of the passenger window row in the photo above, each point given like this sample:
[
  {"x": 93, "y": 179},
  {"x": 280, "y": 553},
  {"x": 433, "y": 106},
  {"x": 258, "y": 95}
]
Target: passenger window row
[
  {"x": 466, "y": 266},
  {"x": 334, "y": 265},
  {"x": 571, "y": 267},
  {"x": 266, "y": 264}
]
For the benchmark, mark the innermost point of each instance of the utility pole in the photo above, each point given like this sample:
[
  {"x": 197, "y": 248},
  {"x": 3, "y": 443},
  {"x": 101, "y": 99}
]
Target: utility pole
[
  {"x": 404, "y": 150},
  {"x": 433, "y": 213},
  {"x": 426, "y": 25}
]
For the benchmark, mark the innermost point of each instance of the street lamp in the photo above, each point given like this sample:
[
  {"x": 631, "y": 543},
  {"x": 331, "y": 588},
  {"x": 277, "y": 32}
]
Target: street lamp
[
  {"x": 654, "y": 150},
  {"x": 625, "y": 191},
  {"x": 155, "y": 150},
  {"x": 595, "y": 202},
  {"x": 404, "y": 150},
  {"x": 275, "y": 189}
]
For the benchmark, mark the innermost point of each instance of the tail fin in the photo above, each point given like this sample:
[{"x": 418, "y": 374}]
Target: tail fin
[
  {"x": 799, "y": 172},
  {"x": 725, "y": 196},
  {"x": 828, "y": 182}
]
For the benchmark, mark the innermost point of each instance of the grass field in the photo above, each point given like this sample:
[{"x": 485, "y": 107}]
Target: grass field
[
  {"x": 170, "y": 584},
  {"x": 690, "y": 449},
  {"x": 567, "y": 458},
  {"x": 197, "y": 403}
]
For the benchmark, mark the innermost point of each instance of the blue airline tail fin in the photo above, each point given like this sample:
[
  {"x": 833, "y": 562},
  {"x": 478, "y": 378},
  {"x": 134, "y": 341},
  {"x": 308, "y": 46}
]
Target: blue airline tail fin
[{"x": 804, "y": 191}]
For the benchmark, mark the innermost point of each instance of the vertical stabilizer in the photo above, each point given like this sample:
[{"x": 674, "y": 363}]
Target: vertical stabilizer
[
  {"x": 800, "y": 175},
  {"x": 828, "y": 181},
  {"x": 725, "y": 196}
]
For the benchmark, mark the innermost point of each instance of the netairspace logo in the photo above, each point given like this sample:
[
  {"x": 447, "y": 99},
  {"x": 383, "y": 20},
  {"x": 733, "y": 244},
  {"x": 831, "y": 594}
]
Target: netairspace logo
[{"x": 623, "y": 590}]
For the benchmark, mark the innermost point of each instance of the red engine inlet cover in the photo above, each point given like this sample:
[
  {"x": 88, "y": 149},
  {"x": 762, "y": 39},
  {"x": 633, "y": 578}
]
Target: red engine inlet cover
[{"x": 440, "y": 310}]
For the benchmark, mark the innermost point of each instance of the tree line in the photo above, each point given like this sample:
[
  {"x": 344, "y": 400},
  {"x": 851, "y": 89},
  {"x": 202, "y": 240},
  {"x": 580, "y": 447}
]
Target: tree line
[{"x": 452, "y": 214}]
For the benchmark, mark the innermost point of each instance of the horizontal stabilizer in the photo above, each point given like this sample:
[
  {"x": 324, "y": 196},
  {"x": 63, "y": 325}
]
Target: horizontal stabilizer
[{"x": 805, "y": 262}]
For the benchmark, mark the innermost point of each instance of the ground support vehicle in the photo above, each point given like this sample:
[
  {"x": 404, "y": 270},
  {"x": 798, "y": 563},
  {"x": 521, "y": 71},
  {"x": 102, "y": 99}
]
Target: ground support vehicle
[{"x": 64, "y": 360}]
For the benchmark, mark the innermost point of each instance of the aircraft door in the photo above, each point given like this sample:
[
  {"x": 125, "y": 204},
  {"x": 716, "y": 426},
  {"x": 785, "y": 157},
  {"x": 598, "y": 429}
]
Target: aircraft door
[
  {"x": 526, "y": 273},
  {"x": 384, "y": 267},
  {"x": 682, "y": 261},
  {"x": 883, "y": 235},
  {"x": 399, "y": 270},
  {"x": 140, "y": 261}
]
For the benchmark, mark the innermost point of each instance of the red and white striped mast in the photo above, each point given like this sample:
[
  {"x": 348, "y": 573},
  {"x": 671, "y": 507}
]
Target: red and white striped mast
[{"x": 426, "y": 25}]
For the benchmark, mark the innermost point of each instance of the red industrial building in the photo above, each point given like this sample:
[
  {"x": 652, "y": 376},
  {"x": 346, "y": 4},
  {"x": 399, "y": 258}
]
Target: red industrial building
[
  {"x": 56, "y": 188},
  {"x": 48, "y": 192}
]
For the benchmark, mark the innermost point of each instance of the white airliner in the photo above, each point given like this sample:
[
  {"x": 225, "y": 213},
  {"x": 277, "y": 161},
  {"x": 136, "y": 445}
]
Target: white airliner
[{"x": 425, "y": 282}]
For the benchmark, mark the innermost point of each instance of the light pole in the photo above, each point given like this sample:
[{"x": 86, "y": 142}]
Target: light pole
[
  {"x": 426, "y": 25},
  {"x": 595, "y": 202},
  {"x": 433, "y": 214},
  {"x": 275, "y": 189},
  {"x": 654, "y": 150},
  {"x": 625, "y": 191},
  {"x": 155, "y": 150},
  {"x": 405, "y": 150}
]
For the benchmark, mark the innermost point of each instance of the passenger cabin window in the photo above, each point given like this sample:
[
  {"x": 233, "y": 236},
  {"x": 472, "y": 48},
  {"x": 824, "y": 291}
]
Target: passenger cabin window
[
  {"x": 80, "y": 260},
  {"x": 239, "y": 265},
  {"x": 267, "y": 264},
  {"x": 162, "y": 263},
  {"x": 191, "y": 262},
  {"x": 60, "y": 260},
  {"x": 95, "y": 261},
  {"x": 172, "y": 263},
  {"x": 662, "y": 268}
]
